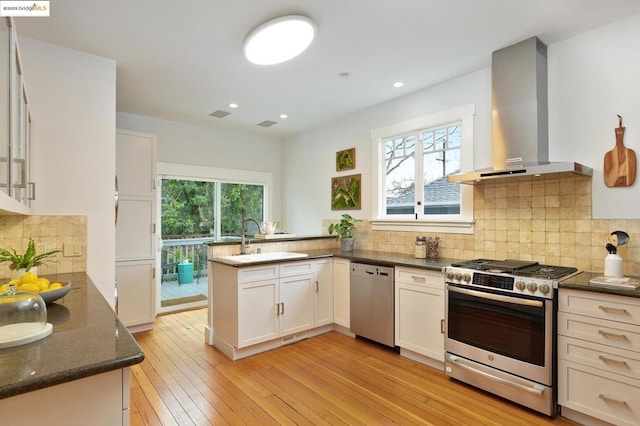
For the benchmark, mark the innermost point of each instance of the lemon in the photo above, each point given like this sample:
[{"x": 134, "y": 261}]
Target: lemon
[
  {"x": 32, "y": 287},
  {"x": 3, "y": 288},
  {"x": 43, "y": 283},
  {"x": 54, "y": 286},
  {"x": 29, "y": 277}
]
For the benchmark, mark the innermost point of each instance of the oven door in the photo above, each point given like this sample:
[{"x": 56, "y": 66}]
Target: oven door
[{"x": 513, "y": 334}]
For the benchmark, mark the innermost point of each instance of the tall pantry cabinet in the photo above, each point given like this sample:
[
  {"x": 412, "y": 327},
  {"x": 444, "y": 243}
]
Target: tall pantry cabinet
[{"x": 136, "y": 229}]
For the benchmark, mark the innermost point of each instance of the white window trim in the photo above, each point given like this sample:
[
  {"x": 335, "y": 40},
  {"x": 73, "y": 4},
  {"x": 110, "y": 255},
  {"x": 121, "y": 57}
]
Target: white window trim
[{"x": 460, "y": 224}]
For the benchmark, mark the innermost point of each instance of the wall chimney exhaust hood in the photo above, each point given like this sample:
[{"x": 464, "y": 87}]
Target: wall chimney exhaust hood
[{"x": 520, "y": 126}]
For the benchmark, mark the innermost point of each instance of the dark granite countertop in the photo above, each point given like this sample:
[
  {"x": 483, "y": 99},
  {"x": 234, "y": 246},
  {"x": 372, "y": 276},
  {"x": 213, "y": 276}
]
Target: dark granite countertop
[
  {"x": 87, "y": 339},
  {"x": 364, "y": 256},
  {"x": 581, "y": 282}
]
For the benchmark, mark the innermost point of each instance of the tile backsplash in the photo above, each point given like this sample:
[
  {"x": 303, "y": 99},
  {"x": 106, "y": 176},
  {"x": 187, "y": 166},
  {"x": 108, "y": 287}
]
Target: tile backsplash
[
  {"x": 546, "y": 221},
  {"x": 49, "y": 233}
]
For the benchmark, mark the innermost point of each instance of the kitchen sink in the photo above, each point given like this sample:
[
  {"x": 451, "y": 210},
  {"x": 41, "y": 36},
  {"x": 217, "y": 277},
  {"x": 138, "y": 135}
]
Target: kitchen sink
[{"x": 241, "y": 259}]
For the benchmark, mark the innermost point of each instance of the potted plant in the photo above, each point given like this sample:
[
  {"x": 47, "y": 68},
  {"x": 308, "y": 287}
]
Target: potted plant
[
  {"x": 22, "y": 263},
  {"x": 345, "y": 229}
]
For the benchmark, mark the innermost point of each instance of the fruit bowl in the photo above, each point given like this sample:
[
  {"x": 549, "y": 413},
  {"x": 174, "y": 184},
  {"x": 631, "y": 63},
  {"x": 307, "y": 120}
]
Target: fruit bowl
[{"x": 51, "y": 296}]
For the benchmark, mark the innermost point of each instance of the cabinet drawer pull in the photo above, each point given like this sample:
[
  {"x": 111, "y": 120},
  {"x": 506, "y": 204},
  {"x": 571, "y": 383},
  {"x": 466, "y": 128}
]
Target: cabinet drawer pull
[
  {"x": 418, "y": 278},
  {"x": 606, "y": 360},
  {"x": 606, "y": 398},
  {"x": 609, "y": 335},
  {"x": 611, "y": 310}
]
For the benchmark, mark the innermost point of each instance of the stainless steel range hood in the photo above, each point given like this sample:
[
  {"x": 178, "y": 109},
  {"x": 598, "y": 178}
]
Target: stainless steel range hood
[{"x": 520, "y": 129}]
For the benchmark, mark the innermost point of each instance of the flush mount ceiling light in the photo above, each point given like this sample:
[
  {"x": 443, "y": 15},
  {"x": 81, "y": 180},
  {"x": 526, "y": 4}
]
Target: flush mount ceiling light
[{"x": 279, "y": 40}]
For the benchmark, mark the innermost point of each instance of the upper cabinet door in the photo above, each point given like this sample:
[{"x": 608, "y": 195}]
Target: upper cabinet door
[
  {"x": 5, "y": 72},
  {"x": 135, "y": 163}
]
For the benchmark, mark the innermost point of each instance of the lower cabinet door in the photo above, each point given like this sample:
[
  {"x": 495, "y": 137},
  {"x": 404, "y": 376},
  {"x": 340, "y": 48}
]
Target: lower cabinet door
[
  {"x": 323, "y": 287},
  {"x": 419, "y": 320},
  {"x": 296, "y": 304},
  {"x": 257, "y": 312},
  {"x": 136, "y": 294}
]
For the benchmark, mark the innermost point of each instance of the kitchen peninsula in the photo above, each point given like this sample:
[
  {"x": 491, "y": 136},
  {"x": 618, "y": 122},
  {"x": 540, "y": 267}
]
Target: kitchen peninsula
[{"x": 77, "y": 375}]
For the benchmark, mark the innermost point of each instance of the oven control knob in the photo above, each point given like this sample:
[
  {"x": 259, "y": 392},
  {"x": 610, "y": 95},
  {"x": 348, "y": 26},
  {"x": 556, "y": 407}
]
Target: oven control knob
[
  {"x": 544, "y": 288},
  {"x": 457, "y": 276},
  {"x": 520, "y": 285},
  {"x": 449, "y": 275},
  {"x": 532, "y": 287},
  {"x": 466, "y": 278}
]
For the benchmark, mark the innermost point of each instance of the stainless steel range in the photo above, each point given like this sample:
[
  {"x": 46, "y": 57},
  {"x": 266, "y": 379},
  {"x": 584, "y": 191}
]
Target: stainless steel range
[{"x": 500, "y": 328}]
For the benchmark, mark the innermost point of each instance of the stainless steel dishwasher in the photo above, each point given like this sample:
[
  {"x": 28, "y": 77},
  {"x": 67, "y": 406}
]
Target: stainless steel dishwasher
[{"x": 372, "y": 304}]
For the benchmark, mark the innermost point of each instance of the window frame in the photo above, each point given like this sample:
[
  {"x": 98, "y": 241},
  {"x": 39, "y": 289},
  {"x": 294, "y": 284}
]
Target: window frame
[
  {"x": 219, "y": 176},
  {"x": 462, "y": 223}
]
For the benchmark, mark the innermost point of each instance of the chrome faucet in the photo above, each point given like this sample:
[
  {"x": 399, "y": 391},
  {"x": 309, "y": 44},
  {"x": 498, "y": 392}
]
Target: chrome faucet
[{"x": 244, "y": 245}]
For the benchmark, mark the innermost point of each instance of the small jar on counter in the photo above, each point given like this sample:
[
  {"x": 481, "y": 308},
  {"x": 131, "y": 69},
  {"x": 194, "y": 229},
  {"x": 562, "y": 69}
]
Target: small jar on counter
[
  {"x": 433, "y": 251},
  {"x": 421, "y": 247}
]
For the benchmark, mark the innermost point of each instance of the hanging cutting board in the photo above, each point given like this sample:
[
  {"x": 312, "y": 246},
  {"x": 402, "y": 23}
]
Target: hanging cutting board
[{"x": 620, "y": 162}]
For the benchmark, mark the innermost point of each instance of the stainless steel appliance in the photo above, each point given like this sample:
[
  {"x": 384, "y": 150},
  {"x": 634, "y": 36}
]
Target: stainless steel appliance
[
  {"x": 372, "y": 302},
  {"x": 500, "y": 328}
]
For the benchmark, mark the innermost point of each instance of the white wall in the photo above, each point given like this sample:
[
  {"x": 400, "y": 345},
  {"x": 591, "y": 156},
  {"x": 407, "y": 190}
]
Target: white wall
[
  {"x": 309, "y": 158},
  {"x": 72, "y": 101},
  {"x": 184, "y": 143},
  {"x": 593, "y": 77}
]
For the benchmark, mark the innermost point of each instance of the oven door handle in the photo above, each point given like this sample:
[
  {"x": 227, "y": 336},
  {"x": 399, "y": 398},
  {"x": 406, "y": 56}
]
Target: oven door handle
[
  {"x": 497, "y": 297},
  {"x": 454, "y": 360}
]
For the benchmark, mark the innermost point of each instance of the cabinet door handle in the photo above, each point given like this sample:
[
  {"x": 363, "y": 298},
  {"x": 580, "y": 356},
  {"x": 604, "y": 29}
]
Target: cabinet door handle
[
  {"x": 317, "y": 286},
  {"x": 282, "y": 310},
  {"x": 32, "y": 191},
  {"x": 277, "y": 309},
  {"x": 442, "y": 326},
  {"x": 611, "y": 310},
  {"x": 609, "y": 335},
  {"x": 607, "y": 360},
  {"x": 606, "y": 398}
]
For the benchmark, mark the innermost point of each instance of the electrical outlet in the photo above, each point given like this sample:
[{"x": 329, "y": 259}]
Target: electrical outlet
[{"x": 71, "y": 249}]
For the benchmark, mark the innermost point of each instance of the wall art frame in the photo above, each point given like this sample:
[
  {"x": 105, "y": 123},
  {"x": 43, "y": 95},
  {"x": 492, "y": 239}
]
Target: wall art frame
[
  {"x": 346, "y": 159},
  {"x": 346, "y": 192}
]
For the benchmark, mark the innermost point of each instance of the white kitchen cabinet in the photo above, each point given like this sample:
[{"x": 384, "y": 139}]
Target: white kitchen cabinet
[
  {"x": 323, "y": 288},
  {"x": 341, "y": 292},
  {"x": 15, "y": 156},
  {"x": 136, "y": 229},
  {"x": 257, "y": 312},
  {"x": 136, "y": 298},
  {"x": 101, "y": 400},
  {"x": 599, "y": 357},
  {"x": 256, "y": 308},
  {"x": 419, "y": 312}
]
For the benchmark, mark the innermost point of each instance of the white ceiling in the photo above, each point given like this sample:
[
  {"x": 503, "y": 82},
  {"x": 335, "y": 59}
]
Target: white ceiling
[{"x": 181, "y": 60}]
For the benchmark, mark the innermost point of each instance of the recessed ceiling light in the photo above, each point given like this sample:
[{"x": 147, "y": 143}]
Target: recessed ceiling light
[
  {"x": 279, "y": 40},
  {"x": 398, "y": 84},
  {"x": 232, "y": 105},
  {"x": 284, "y": 116}
]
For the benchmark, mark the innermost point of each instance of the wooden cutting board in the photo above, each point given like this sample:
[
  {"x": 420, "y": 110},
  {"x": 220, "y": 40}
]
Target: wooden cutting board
[{"x": 620, "y": 162}]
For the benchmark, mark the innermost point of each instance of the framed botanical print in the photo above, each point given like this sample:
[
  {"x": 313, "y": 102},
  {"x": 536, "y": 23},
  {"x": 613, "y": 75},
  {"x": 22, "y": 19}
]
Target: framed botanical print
[
  {"x": 345, "y": 192},
  {"x": 346, "y": 159}
]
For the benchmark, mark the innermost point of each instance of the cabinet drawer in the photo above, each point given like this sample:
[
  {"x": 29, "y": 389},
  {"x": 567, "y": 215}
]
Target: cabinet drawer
[
  {"x": 291, "y": 269},
  {"x": 416, "y": 276},
  {"x": 595, "y": 355},
  {"x": 258, "y": 273},
  {"x": 609, "y": 397},
  {"x": 610, "y": 333},
  {"x": 600, "y": 305}
]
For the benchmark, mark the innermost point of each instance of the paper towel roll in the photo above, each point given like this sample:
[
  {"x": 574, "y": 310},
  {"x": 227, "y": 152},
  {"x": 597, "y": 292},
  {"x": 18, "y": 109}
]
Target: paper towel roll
[{"x": 613, "y": 266}]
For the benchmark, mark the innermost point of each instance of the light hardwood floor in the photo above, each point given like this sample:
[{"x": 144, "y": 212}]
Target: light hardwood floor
[{"x": 328, "y": 379}]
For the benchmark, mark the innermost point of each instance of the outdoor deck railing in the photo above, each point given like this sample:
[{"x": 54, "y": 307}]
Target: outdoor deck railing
[{"x": 175, "y": 251}]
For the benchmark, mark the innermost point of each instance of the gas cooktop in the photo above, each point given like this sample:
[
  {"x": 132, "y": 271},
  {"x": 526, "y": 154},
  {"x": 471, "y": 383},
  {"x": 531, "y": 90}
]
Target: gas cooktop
[{"x": 521, "y": 268}]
